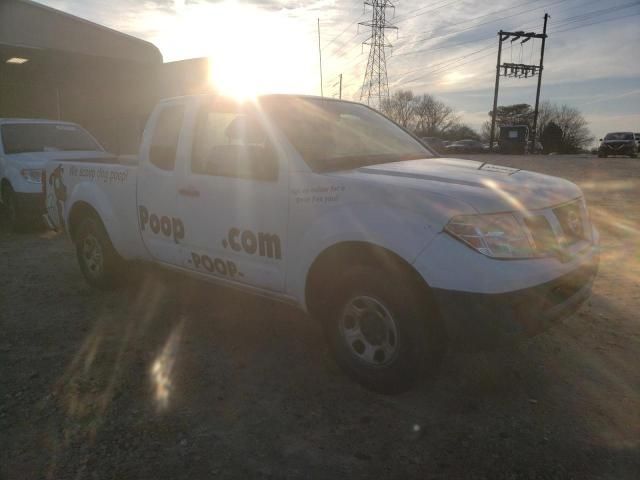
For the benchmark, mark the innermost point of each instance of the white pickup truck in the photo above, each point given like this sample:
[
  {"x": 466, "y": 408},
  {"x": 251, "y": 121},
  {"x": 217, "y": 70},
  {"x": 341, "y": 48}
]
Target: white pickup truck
[
  {"x": 25, "y": 146},
  {"x": 330, "y": 206}
]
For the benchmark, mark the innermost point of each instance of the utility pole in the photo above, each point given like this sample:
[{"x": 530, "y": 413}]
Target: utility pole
[
  {"x": 340, "y": 89},
  {"x": 375, "y": 86},
  {"x": 535, "y": 113},
  {"x": 518, "y": 70},
  {"x": 495, "y": 93},
  {"x": 320, "y": 57}
]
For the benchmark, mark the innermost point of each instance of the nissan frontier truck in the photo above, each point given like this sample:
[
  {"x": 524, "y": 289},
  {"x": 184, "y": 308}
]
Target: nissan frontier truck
[{"x": 332, "y": 207}]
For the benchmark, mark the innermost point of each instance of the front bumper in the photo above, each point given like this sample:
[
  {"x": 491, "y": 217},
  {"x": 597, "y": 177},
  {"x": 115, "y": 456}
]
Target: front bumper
[
  {"x": 484, "y": 321},
  {"x": 624, "y": 150},
  {"x": 485, "y": 303}
]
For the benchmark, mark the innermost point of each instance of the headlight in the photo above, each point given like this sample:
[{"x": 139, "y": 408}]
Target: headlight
[
  {"x": 495, "y": 235},
  {"x": 32, "y": 175}
]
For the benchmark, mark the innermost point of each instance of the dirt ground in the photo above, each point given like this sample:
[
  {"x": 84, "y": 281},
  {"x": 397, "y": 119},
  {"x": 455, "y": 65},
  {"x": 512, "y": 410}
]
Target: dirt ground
[{"x": 164, "y": 380}]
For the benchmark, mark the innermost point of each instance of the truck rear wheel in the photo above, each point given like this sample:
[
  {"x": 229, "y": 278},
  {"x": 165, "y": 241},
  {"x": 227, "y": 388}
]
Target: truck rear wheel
[
  {"x": 99, "y": 262},
  {"x": 382, "y": 333}
]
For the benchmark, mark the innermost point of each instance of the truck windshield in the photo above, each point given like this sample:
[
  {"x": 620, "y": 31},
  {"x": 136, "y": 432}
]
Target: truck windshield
[
  {"x": 333, "y": 135},
  {"x": 46, "y": 137}
]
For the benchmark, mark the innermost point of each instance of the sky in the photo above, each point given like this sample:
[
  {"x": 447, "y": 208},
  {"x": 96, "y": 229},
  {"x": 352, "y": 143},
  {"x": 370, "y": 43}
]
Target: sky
[{"x": 442, "y": 47}]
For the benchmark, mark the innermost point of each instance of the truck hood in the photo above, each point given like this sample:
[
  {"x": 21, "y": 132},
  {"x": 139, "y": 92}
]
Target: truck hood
[
  {"x": 38, "y": 159},
  {"x": 485, "y": 187}
]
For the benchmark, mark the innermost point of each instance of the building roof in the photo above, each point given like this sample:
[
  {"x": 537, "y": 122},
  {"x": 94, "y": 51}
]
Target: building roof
[{"x": 27, "y": 24}]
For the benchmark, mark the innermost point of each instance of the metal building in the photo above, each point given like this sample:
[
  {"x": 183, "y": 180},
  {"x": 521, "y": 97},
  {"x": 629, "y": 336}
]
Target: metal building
[{"x": 55, "y": 65}]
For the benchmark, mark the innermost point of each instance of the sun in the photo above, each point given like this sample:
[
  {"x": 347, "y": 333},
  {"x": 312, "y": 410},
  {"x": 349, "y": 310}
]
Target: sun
[
  {"x": 456, "y": 77},
  {"x": 251, "y": 50}
]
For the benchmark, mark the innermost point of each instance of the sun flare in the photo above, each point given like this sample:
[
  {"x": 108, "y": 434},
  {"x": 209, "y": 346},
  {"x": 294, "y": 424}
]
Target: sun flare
[{"x": 251, "y": 50}]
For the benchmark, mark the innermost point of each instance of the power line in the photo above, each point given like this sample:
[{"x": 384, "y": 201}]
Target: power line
[
  {"x": 442, "y": 66},
  {"x": 343, "y": 31},
  {"x": 455, "y": 59},
  {"x": 472, "y": 27},
  {"x": 439, "y": 67},
  {"x": 595, "y": 23},
  {"x": 408, "y": 16},
  {"x": 559, "y": 24},
  {"x": 443, "y": 47},
  {"x": 452, "y": 64}
]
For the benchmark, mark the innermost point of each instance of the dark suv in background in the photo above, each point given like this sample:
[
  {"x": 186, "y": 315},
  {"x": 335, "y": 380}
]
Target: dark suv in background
[{"x": 618, "y": 143}]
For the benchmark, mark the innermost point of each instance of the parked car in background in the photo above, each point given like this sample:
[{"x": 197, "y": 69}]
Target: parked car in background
[
  {"x": 434, "y": 143},
  {"x": 618, "y": 143},
  {"x": 637, "y": 137},
  {"x": 465, "y": 146},
  {"x": 25, "y": 146},
  {"x": 329, "y": 206}
]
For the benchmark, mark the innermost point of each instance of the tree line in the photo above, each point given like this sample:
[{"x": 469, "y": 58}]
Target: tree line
[
  {"x": 562, "y": 129},
  {"x": 426, "y": 116}
]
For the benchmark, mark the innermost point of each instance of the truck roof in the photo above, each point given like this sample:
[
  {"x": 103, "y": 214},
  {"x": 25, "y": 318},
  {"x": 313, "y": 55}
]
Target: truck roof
[{"x": 266, "y": 95}]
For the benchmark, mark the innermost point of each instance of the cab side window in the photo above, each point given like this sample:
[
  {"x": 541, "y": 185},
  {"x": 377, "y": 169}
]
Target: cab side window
[
  {"x": 231, "y": 142},
  {"x": 164, "y": 144}
]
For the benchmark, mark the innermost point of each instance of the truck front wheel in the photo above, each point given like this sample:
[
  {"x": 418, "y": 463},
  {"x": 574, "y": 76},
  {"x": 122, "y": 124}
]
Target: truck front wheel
[
  {"x": 99, "y": 262},
  {"x": 16, "y": 220},
  {"x": 382, "y": 333}
]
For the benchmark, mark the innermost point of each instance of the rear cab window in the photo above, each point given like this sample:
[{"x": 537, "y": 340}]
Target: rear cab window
[{"x": 164, "y": 142}]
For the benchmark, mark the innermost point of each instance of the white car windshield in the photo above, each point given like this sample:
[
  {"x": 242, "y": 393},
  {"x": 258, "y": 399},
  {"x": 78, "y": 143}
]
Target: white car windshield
[
  {"x": 619, "y": 136},
  {"x": 334, "y": 135},
  {"x": 46, "y": 137}
]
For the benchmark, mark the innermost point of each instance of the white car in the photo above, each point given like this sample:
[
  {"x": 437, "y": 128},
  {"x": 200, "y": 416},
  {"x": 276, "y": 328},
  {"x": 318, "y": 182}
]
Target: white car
[
  {"x": 25, "y": 146},
  {"x": 332, "y": 207}
]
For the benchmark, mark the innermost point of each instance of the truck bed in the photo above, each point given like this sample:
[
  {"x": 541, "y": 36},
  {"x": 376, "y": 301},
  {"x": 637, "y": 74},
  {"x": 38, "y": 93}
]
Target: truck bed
[{"x": 106, "y": 185}]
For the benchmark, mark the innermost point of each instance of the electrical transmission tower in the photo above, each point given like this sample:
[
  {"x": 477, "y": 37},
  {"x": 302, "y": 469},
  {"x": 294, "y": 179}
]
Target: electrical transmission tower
[{"x": 375, "y": 87}]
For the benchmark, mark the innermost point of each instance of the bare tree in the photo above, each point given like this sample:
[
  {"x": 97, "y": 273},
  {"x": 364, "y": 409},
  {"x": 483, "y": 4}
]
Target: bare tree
[
  {"x": 485, "y": 131},
  {"x": 575, "y": 131},
  {"x": 547, "y": 112},
  {"x": 433, "y": 117},
  {"x": 400, "y": 107}
]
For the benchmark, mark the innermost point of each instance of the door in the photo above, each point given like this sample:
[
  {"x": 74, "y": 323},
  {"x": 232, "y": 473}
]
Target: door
[
  {"x": 161, "y": 227},
  {"x": 232, "y": 194}
]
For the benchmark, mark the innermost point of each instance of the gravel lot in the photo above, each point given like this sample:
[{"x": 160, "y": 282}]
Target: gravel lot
[{"x": 167, "y": 380}]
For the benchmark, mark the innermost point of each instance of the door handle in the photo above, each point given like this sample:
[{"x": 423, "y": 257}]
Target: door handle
[{"x": 189, "y": 192}]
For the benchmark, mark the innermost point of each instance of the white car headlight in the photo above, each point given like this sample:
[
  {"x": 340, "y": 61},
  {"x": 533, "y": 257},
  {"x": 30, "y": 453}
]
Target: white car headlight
[
  {"x": 494, "y": 235},
  {"x": 32, "y": 175}
]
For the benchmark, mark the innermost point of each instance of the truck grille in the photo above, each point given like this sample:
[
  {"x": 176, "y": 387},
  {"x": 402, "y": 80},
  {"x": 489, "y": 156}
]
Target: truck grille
[
  {"x": 541, "y": 233},
  {"x": 563, "y": 228}
]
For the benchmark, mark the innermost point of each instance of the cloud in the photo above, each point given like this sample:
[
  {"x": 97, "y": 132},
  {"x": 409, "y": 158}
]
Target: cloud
[{"x": 445, "y": 48}]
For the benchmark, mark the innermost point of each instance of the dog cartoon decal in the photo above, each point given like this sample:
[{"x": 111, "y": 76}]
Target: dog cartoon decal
[{"x": 57, "y": 195}]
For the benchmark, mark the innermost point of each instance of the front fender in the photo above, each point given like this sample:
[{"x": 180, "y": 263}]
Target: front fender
[
  {"x": 19, "y": 184},
  {"x": 88, "y": 193},
  {"x": 401, "y": 231}
]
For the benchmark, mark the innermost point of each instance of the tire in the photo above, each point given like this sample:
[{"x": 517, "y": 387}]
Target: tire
[
  {"x": 381, "y": 331},
  {"x": 99, "y": 262},
  {"x": 15, "y": 218}
]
